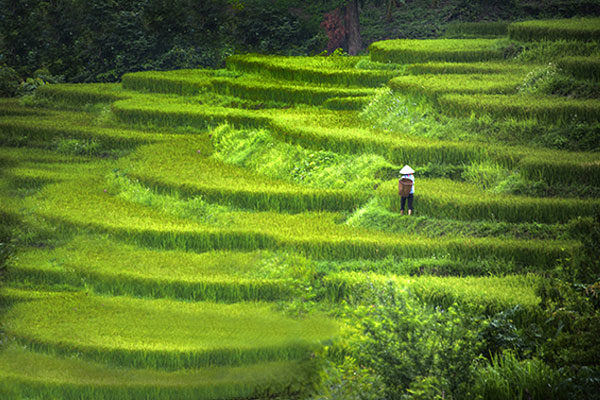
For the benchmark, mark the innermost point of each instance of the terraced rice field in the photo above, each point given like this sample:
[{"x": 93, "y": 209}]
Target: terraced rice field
[{"x": 169, "y": 219}]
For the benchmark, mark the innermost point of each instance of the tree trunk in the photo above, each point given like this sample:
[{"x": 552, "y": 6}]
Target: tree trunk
[{"x": 352, "y": 27}]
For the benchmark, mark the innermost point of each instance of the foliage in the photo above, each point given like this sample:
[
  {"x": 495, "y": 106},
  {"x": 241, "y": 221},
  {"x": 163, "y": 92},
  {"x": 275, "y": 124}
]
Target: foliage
[
  {"x": 416, "y": 350},
  {"x": 320, "y": 169},
  {"x": 9, "y": 81}
]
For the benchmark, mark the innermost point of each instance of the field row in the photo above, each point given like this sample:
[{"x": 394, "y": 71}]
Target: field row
[
  {"x": 27, "y": 374},
  {"x": 301, "y": 128}
]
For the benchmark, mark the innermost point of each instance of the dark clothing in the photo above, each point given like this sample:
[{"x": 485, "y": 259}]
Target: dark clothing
[{"x": 410, "y": 202}]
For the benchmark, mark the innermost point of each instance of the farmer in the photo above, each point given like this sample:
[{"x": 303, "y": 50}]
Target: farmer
[{"x": 406, "y": 188}]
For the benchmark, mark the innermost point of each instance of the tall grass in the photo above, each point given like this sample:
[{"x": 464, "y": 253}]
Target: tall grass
[
  {"x": 571, "y": 29},
  {"x": 27, "y": 374},
  {"x": 409, "y": 51},
  {"x": 507, "y": 377},
  {"x": 481, "y": 294},
  {"x": 164, "y": 334},
  {"x": 190, "y": 173},
  {"x": 581, "y": 67},
  {"x": 434, "y": 84},
  {"x": 488, "y": 67},
  {"x": 80, "y": 94},
  {"x": 106, "y": 266},
  {"x": 445, "y": 198},
  {"x": 317, "y": 70},
  {"x": 549, "y": 109}
]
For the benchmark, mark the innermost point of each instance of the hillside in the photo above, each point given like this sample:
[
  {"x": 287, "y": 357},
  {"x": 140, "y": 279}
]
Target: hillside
[{"x": 223, "y": 234}]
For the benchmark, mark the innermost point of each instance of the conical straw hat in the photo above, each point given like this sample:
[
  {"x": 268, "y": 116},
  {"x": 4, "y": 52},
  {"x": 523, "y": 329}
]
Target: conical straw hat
[{"x": 406, "y": 170}]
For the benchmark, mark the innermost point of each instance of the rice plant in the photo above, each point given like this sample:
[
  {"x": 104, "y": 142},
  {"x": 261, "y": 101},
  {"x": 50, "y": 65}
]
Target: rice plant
[
  {"x": 163, "y": 334},
  {"x": 25, "y": 374},
  {"x": 317, "y": 70},
  {"x": 571, "y": 29},
  {"x": 409, "y": 51}
]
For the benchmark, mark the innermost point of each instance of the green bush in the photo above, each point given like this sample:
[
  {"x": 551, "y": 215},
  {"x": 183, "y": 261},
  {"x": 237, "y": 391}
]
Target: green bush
[
  {"x": 416, "y": 350},
  {"x": 9, "y": 81}
]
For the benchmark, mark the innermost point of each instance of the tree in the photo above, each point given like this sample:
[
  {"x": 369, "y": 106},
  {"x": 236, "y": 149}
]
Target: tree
[{"x": 345, "y": 33}]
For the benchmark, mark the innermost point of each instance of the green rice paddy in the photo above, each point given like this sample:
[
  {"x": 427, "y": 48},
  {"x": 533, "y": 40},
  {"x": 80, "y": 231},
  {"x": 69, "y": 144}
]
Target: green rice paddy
[{"x": 195, "y": 233}]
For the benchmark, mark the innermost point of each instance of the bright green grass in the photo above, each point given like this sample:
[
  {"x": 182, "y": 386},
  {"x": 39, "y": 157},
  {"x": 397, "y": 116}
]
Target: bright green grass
[
  {"x": 490, "y": 294},
  {"x": 257, "y": 88},
  {"x": 447, "y": 198},
  {"x": 144, "y": 110},
  {"x": 115, "y": 268},
  {"x": 163, "y": 334},
  {"x": 79, "y": 94},
  {"x": 571, "y": 29},
  {"x": 182, "y": 82},
  {"x": 434, "y": 84},
  {"x": 25, "y": 374},
  {"x": 182, "y": 165},
  {"x": 84, "y": 204},
  {"x": 410, "y": 51},
  {"x": 318, "y": 70},
  {"x": 45, "y": 132},
  {"x": 254, "y": 87},
  {"x": 543, "y": 108},
  {"x": 314, "y": 129},
  {"x": 489, "y": 67},
  {"x": 581, "y": 67}
]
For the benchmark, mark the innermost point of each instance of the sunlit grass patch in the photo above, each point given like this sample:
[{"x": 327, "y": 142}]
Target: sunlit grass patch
[
  {"x": 67, "y": 133},
  {"x": 114, "y": 268},
  {"x": 490, "y": 294},
  {"x": 162, "y": 333},
  {"x": 434, "y": 84},
  {"x": 554, "y": 29},
  {"x": 164, "y": 112},
  {"x": 545, "y": 108},
  {"x": 490, "y": 67},
  {"x": 445, "y": 198},
  {"x": 184, "y": 169},
  {"x": 80, "y": 94},
  {"x": 24, "y": 374},
  {"x": 317, "y": 70},
  {"x": 410, "y": 51}
]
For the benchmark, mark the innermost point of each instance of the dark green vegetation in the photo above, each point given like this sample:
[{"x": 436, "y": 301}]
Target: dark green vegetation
[
  {"x": 235, "y": 233},
  {"x": 98, "y": 41}
]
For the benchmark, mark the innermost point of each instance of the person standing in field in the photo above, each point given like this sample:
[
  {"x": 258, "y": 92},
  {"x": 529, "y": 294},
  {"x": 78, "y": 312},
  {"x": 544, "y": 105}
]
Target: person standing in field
[{"x": 406, "y": 189}]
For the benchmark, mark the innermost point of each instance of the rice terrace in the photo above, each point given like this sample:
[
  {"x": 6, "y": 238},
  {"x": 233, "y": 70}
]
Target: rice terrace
[{"x": 235, "y": 232}]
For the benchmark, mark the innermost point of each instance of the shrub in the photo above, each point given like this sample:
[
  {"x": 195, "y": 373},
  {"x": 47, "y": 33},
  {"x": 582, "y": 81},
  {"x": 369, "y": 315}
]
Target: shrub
[
  {"x": 413, "y": 348},
  {"x": 9, "y": 81}
]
